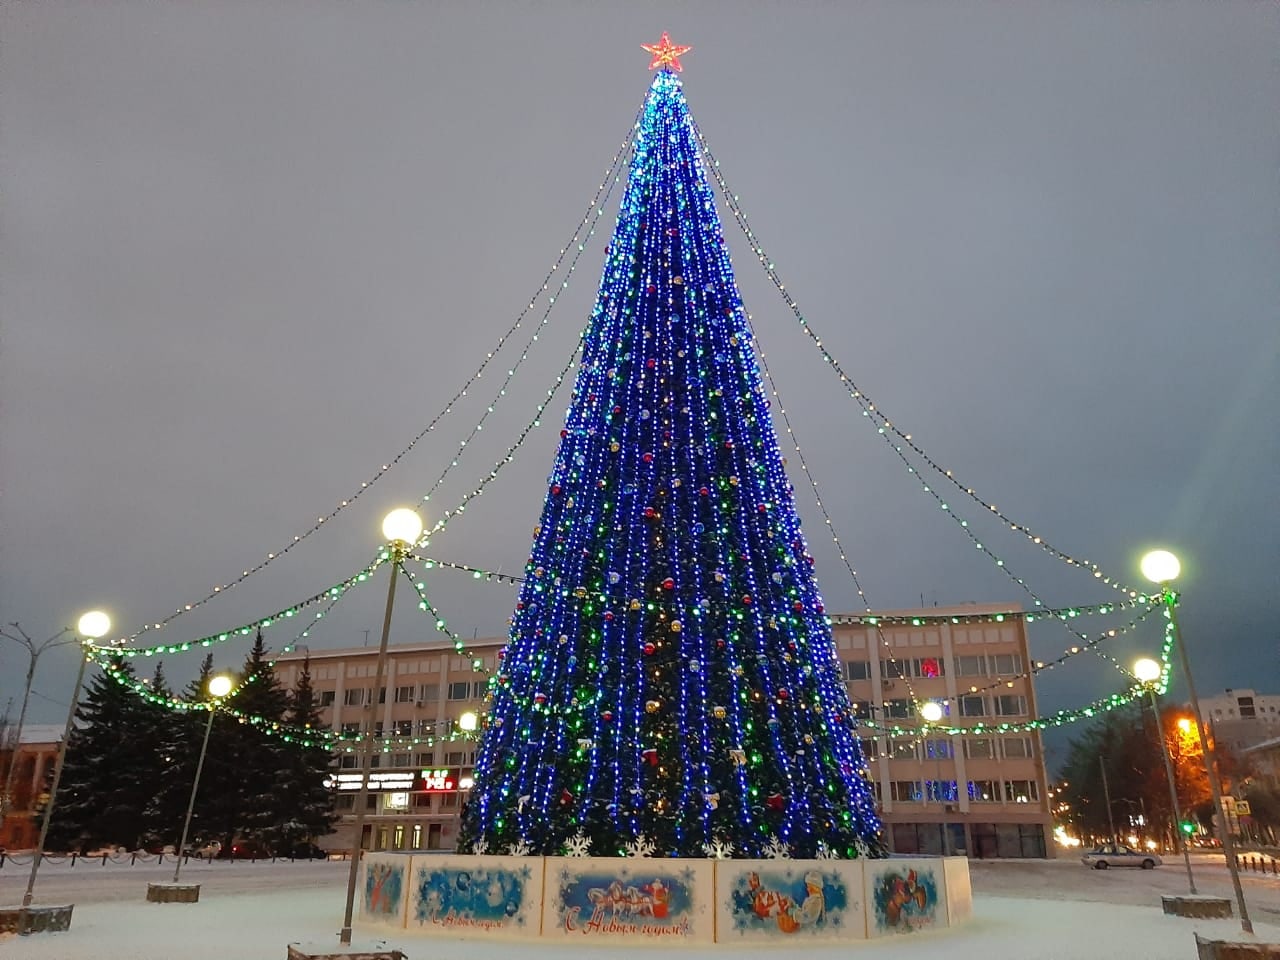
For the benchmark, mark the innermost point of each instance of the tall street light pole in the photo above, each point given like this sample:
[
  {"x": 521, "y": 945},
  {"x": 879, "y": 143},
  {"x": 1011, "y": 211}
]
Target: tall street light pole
[
  {"x": 401, "y": 528},
  {"x": 92, "y": 625},
  {"x": 1161, "y": 567},
  {"x": 33, "y": 655},
  {"x": 218, "y": 687},
  {"x": 1148, "y": 672}
]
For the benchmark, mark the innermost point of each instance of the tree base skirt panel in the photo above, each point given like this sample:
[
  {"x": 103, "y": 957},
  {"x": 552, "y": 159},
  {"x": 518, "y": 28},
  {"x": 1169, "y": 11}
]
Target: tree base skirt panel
[{"x": 641, "y": 900}]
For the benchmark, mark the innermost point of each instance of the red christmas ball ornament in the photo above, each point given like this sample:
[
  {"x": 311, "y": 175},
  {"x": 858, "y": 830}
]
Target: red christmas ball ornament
[
  {"x": 650, "y": 756},
  {"x": 728, "y": 444},
  {"x": 668, "y": 584},
  {"x": 650, "y": 513},
  {"x": 563, "y": 434},
  {"x": 555, "y": 489},
  {"x": 608, "y": 616},
  {"x": 782, "y": 693},
  {"x": 775, "y": 801},
  {"x": 606, "y": 715},
  {"x": 539, "y": 698},
  {"x": 820, "y": 608},
  {"x": 746, "y": 599},
  {"x": 704, "y": 491},
  {"x": 720, "y": 643},
  {"x": 617, "y": 409},
  {"x": 798, "y": 607},
  {"x": 651, "y": 363},
  {"x": 649, "y": 649},
  {"x": 519, "y": 604},
  {"x": 761, "y": 507}
]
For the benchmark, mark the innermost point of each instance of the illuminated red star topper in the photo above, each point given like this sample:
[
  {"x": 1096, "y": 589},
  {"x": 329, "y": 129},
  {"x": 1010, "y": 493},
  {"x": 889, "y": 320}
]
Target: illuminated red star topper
[{"x": 665, "y": 53}]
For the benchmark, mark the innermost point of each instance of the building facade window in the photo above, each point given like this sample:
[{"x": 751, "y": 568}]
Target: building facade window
[
  {"x": 942, "y": 791},
  {"x": 858, "y": 670},
  {"x": 893, "y": 669},
  {"x": 404, "y": 694},
  {"x": 1021, "y": 791},
  {"x": 1010, "y": 705},
  {"x": 1018, "y": 748},
  {"x": 354, "y": 698},
  {"x": 971, "y": 666},
  {"x": 973, "y": 705},
  {"x": 899, "y": 709},
  {"x": 327, "y": 697},
  {"x": 979, "y": 748},
  {"x": 927, "y": 667},
  {"x": 984, "y": 791},
  {"x": 428, "y": 693},
  {"x": 1006, "y": 664},
  {"x": 903, "y": 750},
  {"x": 905, "y": 791},
  {"x": 939, "y": 749},
  {"x": 460, "y": 690}
]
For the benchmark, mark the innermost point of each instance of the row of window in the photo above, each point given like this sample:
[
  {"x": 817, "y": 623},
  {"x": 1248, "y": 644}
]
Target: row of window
[
  {"x": 967, "y": 705},
  {"x": 410, "y": 693},
  {"x": 924, "y": 668},
  {"x": 948, "y": 791},
  {"x": 943, "y": 748},
  {"x": 451, "y": 758}
]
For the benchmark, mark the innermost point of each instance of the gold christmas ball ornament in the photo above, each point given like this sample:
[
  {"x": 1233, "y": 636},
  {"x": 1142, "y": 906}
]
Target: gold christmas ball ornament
[{"x": 652, "y": 706}]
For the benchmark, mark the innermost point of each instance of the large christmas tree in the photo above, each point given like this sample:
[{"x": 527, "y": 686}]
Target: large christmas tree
[{"x": 670, "y": 685}]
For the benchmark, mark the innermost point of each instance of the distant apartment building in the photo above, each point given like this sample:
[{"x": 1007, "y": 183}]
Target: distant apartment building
[
  {"x": 33, "y": 759},
  {"x": 981, "y": 795},
  {"x": 1241, "y": 719}
]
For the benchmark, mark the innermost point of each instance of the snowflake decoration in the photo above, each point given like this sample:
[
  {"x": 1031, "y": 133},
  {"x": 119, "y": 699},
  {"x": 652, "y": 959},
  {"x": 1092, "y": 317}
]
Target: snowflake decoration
[
  {"x": 481, "y": 846},
  {"x": 641, "y": 846},
  {"x": 577, "y": 846},
  {"x": 777, "y": 850},
  {"x": 520, "y": 849},
  {"x": 825, "y": 852},
  {"x": 718, "y": 850}
]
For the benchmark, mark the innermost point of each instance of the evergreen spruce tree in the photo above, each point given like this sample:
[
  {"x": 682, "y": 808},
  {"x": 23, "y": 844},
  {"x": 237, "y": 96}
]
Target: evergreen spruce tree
[
  {"x": 671, "y": 683},
  {"x": 105, "y": 787},
  {"x": 248, "y": 766},
  {"x": 306, "y": 801},
  {"x": 181, "y": 748}
]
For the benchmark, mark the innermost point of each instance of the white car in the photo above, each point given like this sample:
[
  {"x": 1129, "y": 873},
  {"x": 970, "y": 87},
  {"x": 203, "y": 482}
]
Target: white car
[{"x": 1118, "y": 855}]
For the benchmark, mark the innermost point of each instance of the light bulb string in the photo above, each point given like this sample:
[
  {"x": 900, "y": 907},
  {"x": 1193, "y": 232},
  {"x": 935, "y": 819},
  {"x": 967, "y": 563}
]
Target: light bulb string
[
  {"x": 826, "y": 516},
  {"x": 596, "y": 207},
  {"x": 280, "y": 616},
  {"x": 598, "y": 202},
  {"x": 864, "y": 401}
]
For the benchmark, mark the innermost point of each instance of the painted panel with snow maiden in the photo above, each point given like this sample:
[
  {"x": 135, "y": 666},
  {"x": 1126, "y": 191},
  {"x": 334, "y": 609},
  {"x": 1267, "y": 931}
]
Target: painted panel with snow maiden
[
  {"x": 382, "y": 889},
  {"x": 634, "y": 899},
  {"x": 904, "y": 895},
  {"x": 476, "y": 895},
  {"x": 785, "y": 901}
]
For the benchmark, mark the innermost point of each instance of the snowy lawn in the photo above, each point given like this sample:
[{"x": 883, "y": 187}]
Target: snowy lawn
[{"x": 1031, "y": 910}]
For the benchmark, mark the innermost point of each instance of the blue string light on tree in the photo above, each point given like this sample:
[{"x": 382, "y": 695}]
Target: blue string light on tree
[{"x": 670, "y": 677}]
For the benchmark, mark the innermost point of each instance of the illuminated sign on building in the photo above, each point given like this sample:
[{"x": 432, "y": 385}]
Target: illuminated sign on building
[
  {"x": 438, "y": 781},
  {"x": 390, "y": 780}
]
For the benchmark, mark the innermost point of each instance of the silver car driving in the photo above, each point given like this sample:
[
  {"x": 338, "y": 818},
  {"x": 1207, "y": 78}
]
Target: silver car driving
[{"x": 1118, "y": 855}]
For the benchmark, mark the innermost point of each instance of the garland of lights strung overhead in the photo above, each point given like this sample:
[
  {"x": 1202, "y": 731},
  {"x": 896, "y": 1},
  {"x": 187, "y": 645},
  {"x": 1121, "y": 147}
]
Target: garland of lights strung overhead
[{"x": 884, "y": 428}]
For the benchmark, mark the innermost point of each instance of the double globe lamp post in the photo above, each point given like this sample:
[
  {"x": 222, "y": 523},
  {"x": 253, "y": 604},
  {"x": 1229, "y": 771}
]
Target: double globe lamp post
[{"x": 1161, "y": 567}]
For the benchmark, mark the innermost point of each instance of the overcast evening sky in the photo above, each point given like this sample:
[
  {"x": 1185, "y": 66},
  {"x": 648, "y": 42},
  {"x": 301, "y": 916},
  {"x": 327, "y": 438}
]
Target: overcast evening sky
[{"x": 250, "y": 250}]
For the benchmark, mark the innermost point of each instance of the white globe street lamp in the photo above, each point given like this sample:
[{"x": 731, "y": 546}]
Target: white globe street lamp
[
  {"x": 91, "y": 625},
  {"x": 468, "y": 721},
  {"x": 1162, "y": 568},
  {"x": 402, "y": 527},
  {"x": 218, "y": 687},
  {"x": 931, "y": 711},
  {"x": 1148, "y": 672}
]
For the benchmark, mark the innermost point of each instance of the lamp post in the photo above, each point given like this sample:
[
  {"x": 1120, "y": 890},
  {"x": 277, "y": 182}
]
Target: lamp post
[
  {"x": 1161, "y": 567},
  {"x": 218, "y": 687},
  {"x": 33, "y": 654},
  {"x": 91, "y": 626},
  {"x": 1148, "y": 672},
  {"x": 467, "y": 723},
  {"x": 931, "y": 712},
  {"x": 402, "y": 528}
]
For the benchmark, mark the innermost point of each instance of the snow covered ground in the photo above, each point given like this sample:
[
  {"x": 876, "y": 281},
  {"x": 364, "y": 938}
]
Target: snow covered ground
[{"x": 1031, "y": 910}]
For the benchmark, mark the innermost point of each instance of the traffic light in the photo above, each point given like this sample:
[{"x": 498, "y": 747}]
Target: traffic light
[{"x": 1188, "y": 827}]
